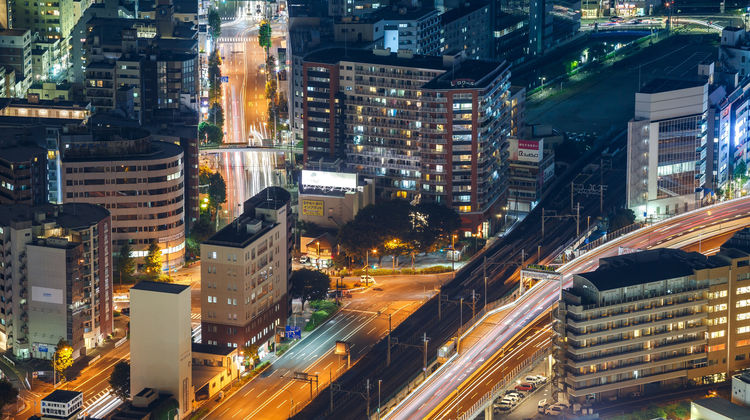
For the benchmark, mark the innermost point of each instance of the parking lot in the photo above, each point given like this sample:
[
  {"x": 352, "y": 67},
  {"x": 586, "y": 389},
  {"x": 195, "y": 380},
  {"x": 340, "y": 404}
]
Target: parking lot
[{"x": 527, "y": 406}]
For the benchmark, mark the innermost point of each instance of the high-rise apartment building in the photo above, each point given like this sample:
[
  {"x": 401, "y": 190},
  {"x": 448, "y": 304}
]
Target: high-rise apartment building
[
  {"x": 415, "y": 30},
  {"x": 15, "y": 52},
  {"x": 138, "y": 179},
  {"x": 160, "y": 343},
  {"x": 667, "y": 151},
  {"x": 245, "y": 273},
  {"x": 23, "y": 175},
  {"x": 468, "y": 29},
  {"x": 433, "y": 128},
  {"x": 655, "y": 319},
  {"x": 57, "y": 278}
]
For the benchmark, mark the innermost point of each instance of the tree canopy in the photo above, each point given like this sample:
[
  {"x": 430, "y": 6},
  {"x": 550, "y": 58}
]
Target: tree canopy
[
  {"x": 214, "y": 22},
  {"x": 124, "y": 264},
  {"x": 309, "y": 285},
  {"x": 217, "y": 190},
  {"x": 209, "y": 133},
  {"x": 264, "y": 35},
  {"x": 620, "y": 218},
  {"x": 8, "y": 393},
  {"x": 396, "y": 227},
  {"x": 63, "y": 358},
  {"x": 119, "y": 380},
  {"x": 152, "y": 262}
]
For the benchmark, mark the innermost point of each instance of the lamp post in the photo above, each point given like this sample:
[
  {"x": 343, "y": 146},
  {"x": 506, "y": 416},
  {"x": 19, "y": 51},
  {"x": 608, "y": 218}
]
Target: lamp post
[
  {"x": 453, "y": 254},
  {"x": 380, "y": 381}
]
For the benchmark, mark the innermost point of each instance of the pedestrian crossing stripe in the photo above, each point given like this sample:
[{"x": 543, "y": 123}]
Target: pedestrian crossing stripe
[
  {"x": 237, "y": 39},
  {"x": 96, "y": 397}
]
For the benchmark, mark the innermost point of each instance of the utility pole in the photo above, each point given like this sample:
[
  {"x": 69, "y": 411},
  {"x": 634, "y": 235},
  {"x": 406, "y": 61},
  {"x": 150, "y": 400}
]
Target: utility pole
[
  {"x": 388, "y": 359},
  {"x": 542, "y": 222},
  {"x": 484, "y": 274},
  {"x": 578, "y": 220},
  {"x": 368, "y": 398}
]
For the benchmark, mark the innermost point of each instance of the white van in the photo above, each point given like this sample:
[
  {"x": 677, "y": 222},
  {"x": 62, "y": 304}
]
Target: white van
[{"x": 542, "y": 406}]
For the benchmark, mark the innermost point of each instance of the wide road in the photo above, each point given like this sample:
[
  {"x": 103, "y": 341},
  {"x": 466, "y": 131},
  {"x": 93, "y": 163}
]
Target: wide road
[
  {"x": 363, "y": 321},
  {"x": 678, "y": 231}
]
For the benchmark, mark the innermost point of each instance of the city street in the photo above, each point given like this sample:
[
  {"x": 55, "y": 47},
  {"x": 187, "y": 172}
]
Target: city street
[{"x": 362, "y": 322}]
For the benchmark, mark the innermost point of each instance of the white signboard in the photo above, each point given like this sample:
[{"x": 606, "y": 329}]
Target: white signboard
[
  {"x": 46, "y": 295},
  {"x": 321, "y": 179},
  {"x": 526, "y": 150}
]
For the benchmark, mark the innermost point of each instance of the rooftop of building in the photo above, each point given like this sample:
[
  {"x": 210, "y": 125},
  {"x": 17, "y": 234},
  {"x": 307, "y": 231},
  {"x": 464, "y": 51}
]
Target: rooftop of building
[
  {"x": 743, "y": 376},
  {"x": 180, "y": 6},
  {"x": 273, "y": 198},
  {"x": 240, "y": 233},
  {"x": 61, "y": 396},
  {"x": 42, "y": 103},
  {"x": 468, "y": 74},
  {"x": 337, "y": 54},
  {"x": 647, "y": 267},
  {"x": 661, "y": 85},
  {"x": 724, "y": 407},
  {"x": 160, "y": 287},
  {"x": 459, "y": 12},
  {"x": 732, "y": 28},
  {"x": 157, "y": 150},
  {"x": 211, "y": 349},
  {"x": 13, "y": 32},
  {"x": 739, "y": 243},
  {"x": 22, "y": 153},
  {"x": 69, "y": 215},
  {"x": 404, "y": 13}
]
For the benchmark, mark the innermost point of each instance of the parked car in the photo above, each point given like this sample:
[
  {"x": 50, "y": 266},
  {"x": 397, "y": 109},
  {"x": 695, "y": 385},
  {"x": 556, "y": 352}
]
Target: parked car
[
  {"x": 509, "y": 401},
  {"x": 554, "y": 410},
  {"x": 542, "y": 406},
  {"x": 516, "y": 393},
  {"x": 503, "y": 406},
  {"x": 303, "y": 259},
  {"x": 524, "y": 387},
  {"x": 511, "y": 397}
]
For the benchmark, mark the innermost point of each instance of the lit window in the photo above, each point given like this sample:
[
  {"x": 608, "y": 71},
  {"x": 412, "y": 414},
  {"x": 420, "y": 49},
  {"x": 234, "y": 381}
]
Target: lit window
[
  {"x": 717, "y": 334},
  {"x": 743, "y": 330}
]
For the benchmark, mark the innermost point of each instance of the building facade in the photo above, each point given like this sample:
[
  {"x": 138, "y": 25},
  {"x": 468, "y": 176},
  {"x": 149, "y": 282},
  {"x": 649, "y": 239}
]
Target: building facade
[
  {"x": 160, "y": 342},
  {"x": 468, "y": 29},
  {"x": 667, "y": 148},
  {"x": 15, "y": 52},
  {"x": 140, "y": 180},
  {"x": 245, "y": 274},
  {"x": 57, "y": 278},
  {"x": 654, "y": 320},
  {"x": 433, "y": 128},
  {"x": 23, "y": 175}
]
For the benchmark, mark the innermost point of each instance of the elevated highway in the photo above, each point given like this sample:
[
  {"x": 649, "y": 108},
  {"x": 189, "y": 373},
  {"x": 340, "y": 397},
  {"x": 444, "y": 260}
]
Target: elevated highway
[{"x": 438, "y": 397}]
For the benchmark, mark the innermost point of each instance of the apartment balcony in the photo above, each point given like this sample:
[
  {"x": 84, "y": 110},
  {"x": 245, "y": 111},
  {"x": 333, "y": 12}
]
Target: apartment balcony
[
  {"x": 585, "y": 362},
  {"x": 576, "y": 319},
  {"x": 613, "y": 386},
  {"x": 581, "y": 351}
]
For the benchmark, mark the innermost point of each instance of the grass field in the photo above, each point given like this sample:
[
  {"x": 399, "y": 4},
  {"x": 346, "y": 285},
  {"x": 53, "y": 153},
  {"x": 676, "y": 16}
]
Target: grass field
[{"x": 605, "y": 100}]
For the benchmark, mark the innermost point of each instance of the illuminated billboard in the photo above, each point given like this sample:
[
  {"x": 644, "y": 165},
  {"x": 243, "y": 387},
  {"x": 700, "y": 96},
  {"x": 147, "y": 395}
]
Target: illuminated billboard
[
  {"x": 312, "y": 207},
  {"x": 526, "y": 150},
  {"x": 329, "y": 180}
]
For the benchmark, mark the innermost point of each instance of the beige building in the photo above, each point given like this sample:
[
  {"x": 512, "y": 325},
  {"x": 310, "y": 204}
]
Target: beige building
[
  {"x": 245, "y": 272},
  {"x": 160, "y": 342},
  {"x": 214, "y": 368},
  {"x": 656, "y": 319},
  {"x": 330, "y": 199},
  {"x": 140, "y": 181}
]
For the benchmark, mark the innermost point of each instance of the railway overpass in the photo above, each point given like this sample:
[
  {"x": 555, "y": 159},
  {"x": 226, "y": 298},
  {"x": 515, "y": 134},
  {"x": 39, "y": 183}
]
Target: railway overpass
[{"x": 439, "y": 396}]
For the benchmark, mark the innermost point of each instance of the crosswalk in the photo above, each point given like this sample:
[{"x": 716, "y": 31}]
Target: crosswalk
[
  {"x": 195, "y": 316},
  {"x": 236, "y": 39},
  {"x": 92, "y": 399}
]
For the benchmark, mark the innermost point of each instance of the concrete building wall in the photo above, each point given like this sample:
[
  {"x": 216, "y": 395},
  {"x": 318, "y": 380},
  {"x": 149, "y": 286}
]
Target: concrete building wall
[
  {"x": 671, "y": 104},
  {"x": 160, "y": 344}
]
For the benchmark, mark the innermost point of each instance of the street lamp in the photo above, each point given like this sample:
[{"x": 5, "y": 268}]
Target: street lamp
[
  {"x": 380, "y": 381},
  {"x": 543, "y": 79},
  {"x": 453, "y": 254},
  {"x": 317, "y": 259}
]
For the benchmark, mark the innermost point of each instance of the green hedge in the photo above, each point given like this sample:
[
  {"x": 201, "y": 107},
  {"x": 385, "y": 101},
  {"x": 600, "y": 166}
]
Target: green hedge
[
  {"x": 404, "y": 271},
  {"x": 324, "y": 310}
]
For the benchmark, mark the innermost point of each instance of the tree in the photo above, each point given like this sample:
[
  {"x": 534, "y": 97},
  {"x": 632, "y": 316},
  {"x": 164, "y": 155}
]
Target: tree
[
  {"x": 436, "y": 223},
  {"x": 63, "y": 358},
  {"x": 119, "y": 380},
  {"x": 216, "y": 115},
  {"x": 264, "y": 35},
  {"x": 740, "y": 170},
  {"x": 152, "y": 262},
  {"x": 620, "y": 218},
  {"x": 217, "y": 190},
  {"x": 210, "y": 133},
  {"x": 125, "y": 265},
  {"x": 250, "y": 354},
  {"x": 214, "y": 22},
  {"x": 8, "y": 393},
  {"x": 309, "y": 285},
  {"x": 214, "y": 77}
]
